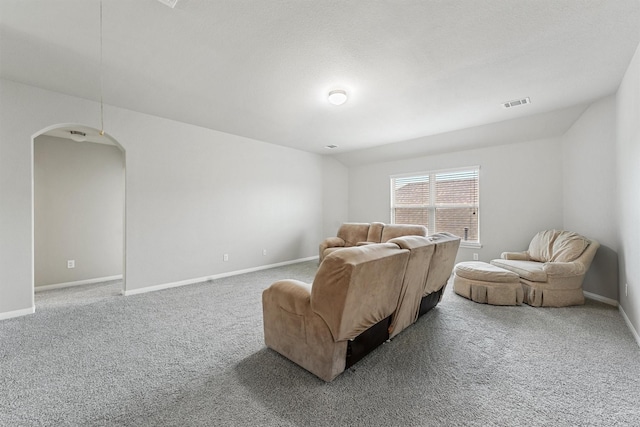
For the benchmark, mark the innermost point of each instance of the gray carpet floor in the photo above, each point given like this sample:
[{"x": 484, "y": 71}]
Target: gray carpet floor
[{"x": 195, "y": 356}]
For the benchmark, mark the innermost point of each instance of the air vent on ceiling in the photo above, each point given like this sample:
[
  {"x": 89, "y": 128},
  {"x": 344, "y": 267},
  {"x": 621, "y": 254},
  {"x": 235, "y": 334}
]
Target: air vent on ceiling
[
  {"x": 330, "y": 147},
  {"x": 170, "y": 3},
  {"x": 517, "y": 102}
]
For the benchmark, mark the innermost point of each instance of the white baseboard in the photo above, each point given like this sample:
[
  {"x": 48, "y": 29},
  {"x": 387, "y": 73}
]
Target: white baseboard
[
  {"x": 600, "y": 298},
  {"x": 630, "y": 325},
  {"x": 213, "y": 277},
  {"x": 77, "y": 283},
  {"x": 17, "y": 313}
]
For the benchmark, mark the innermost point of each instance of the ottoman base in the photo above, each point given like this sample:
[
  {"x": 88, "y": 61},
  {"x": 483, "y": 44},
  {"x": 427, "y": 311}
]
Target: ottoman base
[{"x": 487, "y": 284}]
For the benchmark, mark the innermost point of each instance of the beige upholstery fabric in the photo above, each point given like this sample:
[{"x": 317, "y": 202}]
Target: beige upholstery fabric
[
  {"x": 375, "y": 233},
  {"x": 541, "y": 246},
  {"x": 444, "y": 257},
  {"x": 487, "y": 284},
  {"x": 354, "y": 288},
  {"x": 477, "y": 270},
  {"x": 530, "y": 270},
  {"x": 556, "y": 282},
  {"x": 360, "y": 234},
  {"x": 292, "y": 329},
  {"x": 353, "y": 233},
  {"x": 391, "y": 231},
  {"x": 494, "y": 293},
  {"x": 538, "y": 294},
  {"x": 568, "y": 246},
  {"x": 421, "y": 252}
]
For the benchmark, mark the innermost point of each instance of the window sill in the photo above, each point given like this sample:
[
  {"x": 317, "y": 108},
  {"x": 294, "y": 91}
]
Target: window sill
[{"x": 471, "y": 245}]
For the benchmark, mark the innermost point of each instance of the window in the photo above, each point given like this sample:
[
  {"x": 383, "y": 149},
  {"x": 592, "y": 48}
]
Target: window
[{"x": 444, "y": 200}]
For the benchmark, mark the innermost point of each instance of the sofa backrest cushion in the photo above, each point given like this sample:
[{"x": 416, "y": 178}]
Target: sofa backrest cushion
[
  {"x": 557, "y": 246},
  {"x": 442, "y": 261},
  {"x": 541, "y": 246},
  {"x": 392, "y": 231},
  {"x": 353, "y": 232},
  {"x": 421, "y": 250},
  {"x": 568, "y": 246},
  {"x": 375, "y": 232},
  {"x": 357, "y": 287}
]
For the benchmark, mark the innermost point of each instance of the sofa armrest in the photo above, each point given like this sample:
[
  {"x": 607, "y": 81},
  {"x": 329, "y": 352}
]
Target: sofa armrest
[
  {"x": 519, "y": 256},
  {"x": 563, "y": 269},
  {"x": 293, "y": 296},
  {"x": 330, "y": 242}
]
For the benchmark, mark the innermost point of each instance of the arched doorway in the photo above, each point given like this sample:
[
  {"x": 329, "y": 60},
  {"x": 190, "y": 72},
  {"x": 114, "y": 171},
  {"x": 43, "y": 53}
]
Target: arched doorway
[{"x": 78, "y": 208}]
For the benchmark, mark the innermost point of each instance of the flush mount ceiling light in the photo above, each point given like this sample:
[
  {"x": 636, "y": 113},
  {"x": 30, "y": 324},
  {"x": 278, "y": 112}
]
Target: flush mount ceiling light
[
  {"x": 78, "y": 136},
  {"x": 337, "y": 97},
  {"x": 330, "y": 147}
]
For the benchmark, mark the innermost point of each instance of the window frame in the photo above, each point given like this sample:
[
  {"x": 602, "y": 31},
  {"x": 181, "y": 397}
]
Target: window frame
[{"x": 432, "y": 205}]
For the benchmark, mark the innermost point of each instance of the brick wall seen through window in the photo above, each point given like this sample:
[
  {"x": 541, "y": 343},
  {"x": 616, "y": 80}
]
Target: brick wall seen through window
[{"x": 441, "y": 200}]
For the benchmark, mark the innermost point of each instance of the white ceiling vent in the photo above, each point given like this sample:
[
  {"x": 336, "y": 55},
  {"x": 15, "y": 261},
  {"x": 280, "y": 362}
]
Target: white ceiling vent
[
  {"x": 170, "y": 3},
  {"x": 515, "y": 103}
]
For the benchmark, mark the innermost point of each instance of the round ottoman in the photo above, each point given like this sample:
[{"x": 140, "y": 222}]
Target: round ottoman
[{"x": 487, "y": 284}]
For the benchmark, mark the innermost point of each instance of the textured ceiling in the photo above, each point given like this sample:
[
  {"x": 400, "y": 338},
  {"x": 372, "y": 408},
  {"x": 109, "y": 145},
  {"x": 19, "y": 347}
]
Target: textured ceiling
[{"x": 262, "y": 68}]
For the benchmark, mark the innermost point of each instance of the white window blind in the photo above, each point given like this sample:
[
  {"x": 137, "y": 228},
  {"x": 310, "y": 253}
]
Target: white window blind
[{"x": 445, "y": 200}]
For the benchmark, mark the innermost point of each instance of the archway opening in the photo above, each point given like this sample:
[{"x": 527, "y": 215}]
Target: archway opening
[{"x": 78, "y": 202}]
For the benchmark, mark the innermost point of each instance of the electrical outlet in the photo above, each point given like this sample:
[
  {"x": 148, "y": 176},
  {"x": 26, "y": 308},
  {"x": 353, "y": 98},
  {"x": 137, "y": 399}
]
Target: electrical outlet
[
  {"x": 71, "y": 263},
  {"x": 475, "y": 257},
  {"x": 225, "y": 257},
  {"x": 264, "y": 252}
]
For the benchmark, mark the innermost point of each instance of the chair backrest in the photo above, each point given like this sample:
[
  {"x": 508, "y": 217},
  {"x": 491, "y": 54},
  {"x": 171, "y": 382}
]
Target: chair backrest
[
  {"x": 353, "y": 232},
  {"x": 415, "y": 277},
  {"x": 588, "y": 254},
  {"x": 375, "y": 232},
  {"x": 442, "y": 261},
  {"x": 560, "y": 246},
  {"x": 391, "y": 231},
  {"x": 357, "y": 287}
]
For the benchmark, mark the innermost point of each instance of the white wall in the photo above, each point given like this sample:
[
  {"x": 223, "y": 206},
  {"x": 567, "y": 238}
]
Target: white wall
[
  {"x": 335, "y": 196},
  {"x": 520, "y": 191},
  {"x": 79, "y": 209},
  {"x": 589, "y": 181},
  {"x": 192, "y": 195},
  {"x": 628, "y": 183}
]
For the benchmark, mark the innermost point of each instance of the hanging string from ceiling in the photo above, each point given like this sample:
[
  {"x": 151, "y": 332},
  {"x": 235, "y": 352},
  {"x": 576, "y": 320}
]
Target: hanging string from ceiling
[{"x": 101, "y": 78}]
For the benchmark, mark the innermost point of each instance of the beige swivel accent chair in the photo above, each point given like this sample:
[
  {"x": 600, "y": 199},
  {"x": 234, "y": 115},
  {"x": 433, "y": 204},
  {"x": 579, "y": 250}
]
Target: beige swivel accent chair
[{"x": 553, "y": 268}]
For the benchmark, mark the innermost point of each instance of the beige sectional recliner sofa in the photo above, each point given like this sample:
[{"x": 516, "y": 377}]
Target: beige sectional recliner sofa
[
  {"x": 358, "y": 234},
  {"x": 428, "y": 271},
  {"x": 552, "y": 269},
  {"x": 360, "y": 297}
]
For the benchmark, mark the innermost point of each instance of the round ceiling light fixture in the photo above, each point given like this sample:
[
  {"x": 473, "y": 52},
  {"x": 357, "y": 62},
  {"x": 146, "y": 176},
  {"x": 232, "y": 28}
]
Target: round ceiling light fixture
[{"x": 337, "y": 97}]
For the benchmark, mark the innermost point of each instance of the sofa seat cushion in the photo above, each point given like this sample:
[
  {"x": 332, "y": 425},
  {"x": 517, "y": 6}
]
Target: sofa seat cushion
[
  {"x": 529, "y": 270},
  {"x": 485, "y": 272}
]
